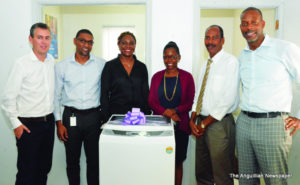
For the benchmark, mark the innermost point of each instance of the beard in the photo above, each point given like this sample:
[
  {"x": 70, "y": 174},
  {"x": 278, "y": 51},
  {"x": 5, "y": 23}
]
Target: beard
[{"x": 83, "y": 53}]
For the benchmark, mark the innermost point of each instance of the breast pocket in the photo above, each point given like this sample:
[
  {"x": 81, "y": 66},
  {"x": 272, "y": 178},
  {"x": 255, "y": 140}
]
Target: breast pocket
[
  {"x": 33, "y": 80},
  {"x": 217, "y": 83},
  {"x": 73, "y": 77},
  {"x": 245, "y": 74}
]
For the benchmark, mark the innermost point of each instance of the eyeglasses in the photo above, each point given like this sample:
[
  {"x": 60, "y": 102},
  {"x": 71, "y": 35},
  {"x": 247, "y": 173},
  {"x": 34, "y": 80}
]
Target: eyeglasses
[
  {"x": 83, "y": 41},
  {"x": 170, "y": 57}
]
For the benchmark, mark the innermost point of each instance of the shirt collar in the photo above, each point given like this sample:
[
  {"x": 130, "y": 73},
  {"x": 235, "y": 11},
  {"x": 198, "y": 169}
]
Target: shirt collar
[
  {"x": 34, "y": 57},
  {"x": 266, "y": 42},
  {"x": 134, "y": 57},
  {"x": 92, "y": 58},
  {"x": 217, "y": 56}
]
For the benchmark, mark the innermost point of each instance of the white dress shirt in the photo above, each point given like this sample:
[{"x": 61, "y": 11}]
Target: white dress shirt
[
  {"x": 30, "y": 89},
  {"x": 221, "y": 95},
  {"x": 77, "y": 85},
  {"x": 267, "y": 75}
]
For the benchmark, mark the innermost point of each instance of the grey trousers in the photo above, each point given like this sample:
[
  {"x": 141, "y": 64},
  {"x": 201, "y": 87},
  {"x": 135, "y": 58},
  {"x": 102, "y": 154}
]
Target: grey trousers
[
  {"x": 215, "y": 153},
  {"x": 263, "y": 145}
]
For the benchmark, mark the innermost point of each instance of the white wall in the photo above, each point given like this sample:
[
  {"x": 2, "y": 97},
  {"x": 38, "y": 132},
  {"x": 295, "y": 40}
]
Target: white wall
[
  {"x": 171, "y": 20},
  {"x": 14, "y": 35}
]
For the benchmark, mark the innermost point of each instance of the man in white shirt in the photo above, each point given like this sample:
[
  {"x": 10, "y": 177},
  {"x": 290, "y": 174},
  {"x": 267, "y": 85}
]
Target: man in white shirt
[
  {"x": 216, "y": 99},
  {"x": 268, "y": 68},
  {"x": 28, "y": 103}
]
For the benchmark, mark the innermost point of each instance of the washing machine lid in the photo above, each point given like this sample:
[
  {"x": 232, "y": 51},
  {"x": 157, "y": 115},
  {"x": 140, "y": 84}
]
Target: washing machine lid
[{"x": 153, "y": 123}]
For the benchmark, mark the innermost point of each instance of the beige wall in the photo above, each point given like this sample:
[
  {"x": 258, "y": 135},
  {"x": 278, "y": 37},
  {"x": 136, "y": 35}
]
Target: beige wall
[
  {"x": 229, "y": 20},
  {"x": 239, "y": 42},
  {"x": 74, "y": 18},
  {"x": 224, "y": 18}
]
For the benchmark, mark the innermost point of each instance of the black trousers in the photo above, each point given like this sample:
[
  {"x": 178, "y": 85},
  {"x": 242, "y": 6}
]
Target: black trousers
[
  {"x": 35, "y": 151},
  {"x": 86, "y": 132}
]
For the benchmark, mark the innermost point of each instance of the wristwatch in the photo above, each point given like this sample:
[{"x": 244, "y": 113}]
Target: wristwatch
[{"x": 202, "y": 125}]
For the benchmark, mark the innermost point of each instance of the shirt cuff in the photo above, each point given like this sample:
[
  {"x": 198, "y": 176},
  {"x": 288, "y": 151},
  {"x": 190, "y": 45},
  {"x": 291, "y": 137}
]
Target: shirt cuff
[
  {"x": 15, "y": 122},
  {"x": 218, "y": 115},
  {"x": 194, "y": 107},
  {"x": 57, "y": 116},
  {"x": 298, "y": 114}
]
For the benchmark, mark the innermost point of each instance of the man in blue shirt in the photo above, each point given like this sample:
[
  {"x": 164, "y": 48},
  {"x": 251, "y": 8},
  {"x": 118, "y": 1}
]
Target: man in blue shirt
[
  {"x": 268, "y": 68},
  {"x": 77, "y": 88}
]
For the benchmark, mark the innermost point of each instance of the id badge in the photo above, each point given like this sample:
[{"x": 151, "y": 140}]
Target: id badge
[{"x": 73, "y": 121}]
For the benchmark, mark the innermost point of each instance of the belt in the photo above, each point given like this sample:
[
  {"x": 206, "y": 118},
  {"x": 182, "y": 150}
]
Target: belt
[
  {"x": 49, "y": 117},
  {"x": 84, "y": 111},
  {"x": 264, "y": 114}
]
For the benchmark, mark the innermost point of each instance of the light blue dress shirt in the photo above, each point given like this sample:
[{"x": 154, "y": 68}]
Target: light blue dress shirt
[
  {"x": 267, "y": 75},
  {"x": 77, "y": 85}
]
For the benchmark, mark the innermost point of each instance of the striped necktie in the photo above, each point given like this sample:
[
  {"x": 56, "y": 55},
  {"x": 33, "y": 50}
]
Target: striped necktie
[{"x": 200, "y": 98}]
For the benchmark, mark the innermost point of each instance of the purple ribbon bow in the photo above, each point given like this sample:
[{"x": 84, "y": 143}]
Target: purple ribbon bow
[{"x": 135, "y": 117}]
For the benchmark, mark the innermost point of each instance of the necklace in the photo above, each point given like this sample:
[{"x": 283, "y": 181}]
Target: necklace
[
  {"x": 129, "y": 65},
  {"x": 174, "y": 90}
]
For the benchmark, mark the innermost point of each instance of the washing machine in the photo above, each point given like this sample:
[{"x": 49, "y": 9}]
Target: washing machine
[{"x": 141, "y": 154}]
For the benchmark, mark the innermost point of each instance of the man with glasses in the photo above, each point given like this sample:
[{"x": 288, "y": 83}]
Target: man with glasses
[
  {"x": 78, "y": 80},
  {"x": 216, "y": 99},
  {"x": 28, "y": 103}
]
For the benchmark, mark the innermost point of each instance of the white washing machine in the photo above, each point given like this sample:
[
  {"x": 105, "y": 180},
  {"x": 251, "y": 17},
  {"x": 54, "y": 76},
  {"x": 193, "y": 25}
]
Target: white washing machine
[{"x": 137, "y": 154}]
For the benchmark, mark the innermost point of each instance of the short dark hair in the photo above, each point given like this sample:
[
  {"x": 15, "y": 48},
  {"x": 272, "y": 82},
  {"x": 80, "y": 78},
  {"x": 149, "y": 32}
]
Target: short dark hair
[
  {"x": 124, "y": 34},
  {"x": 172, "y": 44},
  {"x": 83, "y": 31},
  {"x": 38, "y": 25},
  {"x": 251, "y": 9},
  {"x": 216, "y": 26}
]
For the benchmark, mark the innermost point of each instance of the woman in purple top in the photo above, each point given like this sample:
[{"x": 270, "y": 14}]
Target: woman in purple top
[{"x": 171, "y": 94}]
